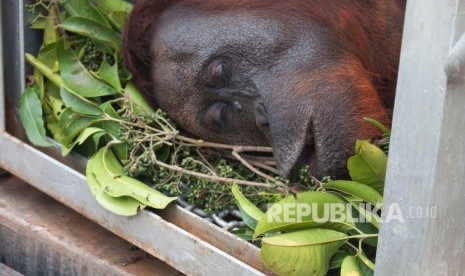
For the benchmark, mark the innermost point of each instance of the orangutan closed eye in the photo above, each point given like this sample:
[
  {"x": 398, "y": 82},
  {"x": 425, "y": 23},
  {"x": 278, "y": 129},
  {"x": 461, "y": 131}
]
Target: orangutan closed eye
[{"x": 298, "y": 75}]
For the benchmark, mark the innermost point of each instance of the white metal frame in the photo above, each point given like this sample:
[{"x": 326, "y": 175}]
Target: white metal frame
[{"x": 426, "y": 167}]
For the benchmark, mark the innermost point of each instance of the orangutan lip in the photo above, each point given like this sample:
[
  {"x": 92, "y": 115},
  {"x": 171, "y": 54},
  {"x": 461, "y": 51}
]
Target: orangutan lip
[
  {"x": 307, "y": 156},
  {"x": 310, "y": 141}
]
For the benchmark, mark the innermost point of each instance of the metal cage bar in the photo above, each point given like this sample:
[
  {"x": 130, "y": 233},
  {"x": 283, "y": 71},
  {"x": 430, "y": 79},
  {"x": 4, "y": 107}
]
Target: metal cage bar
[
  {"x": 426, "y": 169},
  {"x": 2, "y": 83},
  {"x": 422, "y": 229}
]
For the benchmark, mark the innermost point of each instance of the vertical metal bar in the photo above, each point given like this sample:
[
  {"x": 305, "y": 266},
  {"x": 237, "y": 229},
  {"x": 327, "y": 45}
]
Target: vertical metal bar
[
  {"x": 455, "y": 67},
  {"x": 14, "y": 41},
  {"x": 2, "y": 83},
  {"x": 422, "y": 229}
]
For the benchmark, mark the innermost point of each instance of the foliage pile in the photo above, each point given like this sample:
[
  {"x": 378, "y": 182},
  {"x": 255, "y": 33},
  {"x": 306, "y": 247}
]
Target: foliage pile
[
  {"x": 87, "y": 100},
  {"x": 82, "y": 96},
  {"x": 332, "y": 227}
]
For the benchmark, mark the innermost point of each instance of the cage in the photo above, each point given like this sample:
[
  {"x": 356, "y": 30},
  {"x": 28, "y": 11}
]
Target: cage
[{"x": 426, "y": 164}]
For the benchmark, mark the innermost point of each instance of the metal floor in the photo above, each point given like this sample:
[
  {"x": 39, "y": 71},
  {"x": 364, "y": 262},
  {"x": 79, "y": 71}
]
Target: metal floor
[{"x": 40, "y": 236}]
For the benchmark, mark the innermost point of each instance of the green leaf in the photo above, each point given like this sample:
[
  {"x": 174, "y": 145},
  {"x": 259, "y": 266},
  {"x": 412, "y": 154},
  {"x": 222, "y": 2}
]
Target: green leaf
[
  {"x": 359, "y": 190},
  {"x": 114, "y": 5},
  {"x": 140, "y": 105},
  {"x": 73, "y": 124},
  {"x": 305, "y": 252},
  {"x": 37, "y": 24},
  {"x": 90, "y": 146},
  {"x": 366, "y": 271},
  {"x": 83, "y": 136},
  {"x": 47, "y": 54},
  {"x": 163, "y": 153},
  {"x": 67, "y": 115},
  {"x": 77, "y": 125},
  {"x": 109, "y": 173},
  {"x": 337, "y": 259},
  {"x": 104, "y": 48},
  {"x": 52, "y": 123},
  {"x": 369, "y": 216},
  {"x": 245, "y": 234},
  {"x": 50, "y": 32},
  {"x": 44, "y": 70},
  {"x": 123, "y": 206},
  {"x": 271, "y": 198},
  {"x": 114, "y": 129},
  {"x": 79, "y": 104},
  {"x": 85, "y": 9},
  {"x": 249, "y": 212},
  {"x": 40, "y": 82},
  {"x": 110, "y": 74},
  {"x": 93, "y": 30},
  {"x": 368, "y": 166},
  {"x": 121, "y": 151},
  {"x": 118, "y": 19},
  {"x": 385, "y": 130},
  {"x": 350, "y": 267},
  {"x": 309, "y": 210},
  {"x": 30, "y": 114},
  {"x": 116, "y": 10},
  {"x": 54, "y": 101},
  {"x": 367, "y": 228},
  {"x": 76, "y": 78},
  {"x": 124, "y": 75}
]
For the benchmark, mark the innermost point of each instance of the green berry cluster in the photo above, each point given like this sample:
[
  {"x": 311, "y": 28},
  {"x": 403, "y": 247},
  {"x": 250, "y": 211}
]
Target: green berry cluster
[
  {"x": 93, "y": 57},
  {"x": 212, "y": 196}
]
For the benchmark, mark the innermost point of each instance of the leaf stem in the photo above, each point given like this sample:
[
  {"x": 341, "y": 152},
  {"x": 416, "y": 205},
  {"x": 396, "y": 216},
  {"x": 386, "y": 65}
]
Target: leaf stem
[
  {"x": 46, "y": 71},
  {"x": 366, "y": 261}
]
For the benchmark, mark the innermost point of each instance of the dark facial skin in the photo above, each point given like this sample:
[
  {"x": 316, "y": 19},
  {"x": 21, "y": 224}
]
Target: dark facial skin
[{"x": 266, "y": 77}]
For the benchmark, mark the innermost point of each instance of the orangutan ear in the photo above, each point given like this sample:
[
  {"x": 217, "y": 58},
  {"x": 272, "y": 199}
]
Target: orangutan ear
[{"x": 137, "y": 37}]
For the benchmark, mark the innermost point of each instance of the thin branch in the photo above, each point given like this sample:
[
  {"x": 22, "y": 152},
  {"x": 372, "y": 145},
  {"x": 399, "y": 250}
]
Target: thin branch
[
  {"x": 254, "y": 170},
  {"x": 211, "y": 177}
]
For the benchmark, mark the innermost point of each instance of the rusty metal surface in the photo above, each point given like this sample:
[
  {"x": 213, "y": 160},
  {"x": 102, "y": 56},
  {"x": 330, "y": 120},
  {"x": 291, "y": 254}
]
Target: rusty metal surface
[{"x": 39, "y": 236}]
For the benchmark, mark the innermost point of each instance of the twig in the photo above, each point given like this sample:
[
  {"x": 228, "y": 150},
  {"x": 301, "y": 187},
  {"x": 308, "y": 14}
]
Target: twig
[
  {"x": 211, "y": 177},
  {"x": 254, "y": 170},
  {"x": 264, "y": 166}
]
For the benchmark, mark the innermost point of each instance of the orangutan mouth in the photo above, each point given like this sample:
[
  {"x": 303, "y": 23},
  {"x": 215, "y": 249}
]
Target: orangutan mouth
[{"x": 308, "y": 157}]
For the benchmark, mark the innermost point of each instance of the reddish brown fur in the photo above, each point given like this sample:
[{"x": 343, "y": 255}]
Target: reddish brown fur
[
  {"x": 368, "y": 33},
  {"x": 137, "y": 37},
  {"x": 358, "y": 79}
]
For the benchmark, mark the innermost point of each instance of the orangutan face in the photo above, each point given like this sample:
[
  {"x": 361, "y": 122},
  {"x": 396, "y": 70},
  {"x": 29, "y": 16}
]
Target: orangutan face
[{"x": 264, "y": 77}]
